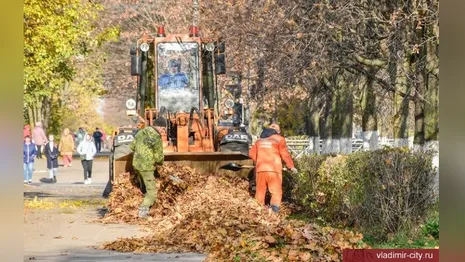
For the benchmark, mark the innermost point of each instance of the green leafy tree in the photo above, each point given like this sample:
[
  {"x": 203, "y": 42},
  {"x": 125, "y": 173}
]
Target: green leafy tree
[{"x": 58, "y": 37}]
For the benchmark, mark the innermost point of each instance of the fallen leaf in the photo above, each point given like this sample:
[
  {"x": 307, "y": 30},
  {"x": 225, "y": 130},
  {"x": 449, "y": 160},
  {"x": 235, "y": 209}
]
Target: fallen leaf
[
  {"x": 216, "y": 216},
  {"x": 296, "y": 235},
  {"x": 222, "y": 231},
  {"x": 270, "y": 239},
  {"x": 311, "y": 246},
  {"x": 305, "y": 256}
]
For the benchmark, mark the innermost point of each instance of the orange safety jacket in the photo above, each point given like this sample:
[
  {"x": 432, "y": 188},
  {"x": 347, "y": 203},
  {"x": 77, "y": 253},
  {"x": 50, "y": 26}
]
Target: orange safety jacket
[{"x": 268, "y": 152}]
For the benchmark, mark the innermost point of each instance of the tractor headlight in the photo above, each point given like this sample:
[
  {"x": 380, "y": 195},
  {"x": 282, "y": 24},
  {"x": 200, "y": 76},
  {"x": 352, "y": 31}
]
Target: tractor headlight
[
  {"x": 130, "y": 103},
  {"x": 229, "y": 103},
  {"x": 144, "y": 47},
  {"x": 210, "y": 47}
]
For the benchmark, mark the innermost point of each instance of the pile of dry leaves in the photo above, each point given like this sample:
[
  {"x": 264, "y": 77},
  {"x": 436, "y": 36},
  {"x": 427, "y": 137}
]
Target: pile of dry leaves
[
  {"x": 216, "y": 215},
  {"x": 126, "y": 195}
]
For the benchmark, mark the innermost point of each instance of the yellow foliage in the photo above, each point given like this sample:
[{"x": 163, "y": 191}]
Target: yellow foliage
[
  {"x": 51, "y": 204},
  {"x": 38, "y": 204}
]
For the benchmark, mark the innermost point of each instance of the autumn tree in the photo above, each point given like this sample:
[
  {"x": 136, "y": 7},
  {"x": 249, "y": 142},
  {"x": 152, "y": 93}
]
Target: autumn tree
[
  {"x": 58, "y": 34},
  {"x": 366, "y": 61}
]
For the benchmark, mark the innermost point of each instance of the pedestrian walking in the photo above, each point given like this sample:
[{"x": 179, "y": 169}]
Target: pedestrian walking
[
  {"x": 148, "y": 152},
  {"x": 87, "y": 151},
  {"x": 39, "y": 138},
  {"x": 98, "y": 139},
  {"x": 268, "y": 153},
  {"x": 80, "y": 134},
  {"x": 109, "y": 142},
  {"x": 66, "y": 148},
  {"x": 27, "y": 131},
  {"x": 103, "y": 139},
  {"x": 51, "y": 153},
  {"x": 29, "y": 153}
]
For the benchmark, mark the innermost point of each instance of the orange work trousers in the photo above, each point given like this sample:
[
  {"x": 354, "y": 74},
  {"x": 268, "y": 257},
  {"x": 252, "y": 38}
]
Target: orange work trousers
[{"x": 274, "y": 182}]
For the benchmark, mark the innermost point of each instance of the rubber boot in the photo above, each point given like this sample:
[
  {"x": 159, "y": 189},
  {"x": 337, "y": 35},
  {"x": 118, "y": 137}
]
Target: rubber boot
[
  {"x": 143, "y": 212},
  {"x": 275, "y": 208}
]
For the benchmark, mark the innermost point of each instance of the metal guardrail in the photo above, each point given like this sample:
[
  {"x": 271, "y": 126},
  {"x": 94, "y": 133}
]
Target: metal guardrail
[
  {"x": 299, "y": 147},
  {"x": 296, "y": 147}
]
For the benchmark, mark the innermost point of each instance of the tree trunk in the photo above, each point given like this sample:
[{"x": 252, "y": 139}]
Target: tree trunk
[
  {"x": 347, "y": 119},
  {"x": 399, "y": 71},
  {"x": 30, "y": 114},
  {"x": 432, "y": 85},
  {"x": 64, "y": 93},
  {"x": 313, "y": 127},
  {"x": 369, "y": 117},
  {"x": 277, "y": 98},
  {"x": 258, "y": 94},
  {"x": 419, "y": 86},
  {"x": 419, "y": 138},
  {"x": 35, "y": 114},
  {"x": 337, "y": 107},
  {"x": 326, "y": 125},
  {"x": 253, "y": 121},
  {"x": 46, "y": 111},
  {"x": 401, "y": 105},
  {"x": 38, "y": 111}
]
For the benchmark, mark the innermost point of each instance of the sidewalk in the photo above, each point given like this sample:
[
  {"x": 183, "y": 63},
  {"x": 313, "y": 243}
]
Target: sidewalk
[
  {"x": 54, "y": 236},
  {"x": 73, "y": 174},
  {"x": 69, "y": 235}
]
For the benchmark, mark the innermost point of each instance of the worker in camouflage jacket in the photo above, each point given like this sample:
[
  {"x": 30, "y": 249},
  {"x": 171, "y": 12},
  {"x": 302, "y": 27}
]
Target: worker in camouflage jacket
[{"x": 148, "y": 152}]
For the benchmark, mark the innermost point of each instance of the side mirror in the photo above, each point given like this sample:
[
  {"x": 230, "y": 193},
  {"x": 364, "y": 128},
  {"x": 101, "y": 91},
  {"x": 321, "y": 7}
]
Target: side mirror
[
  {"x": 220, "y": 59},
  {"x": 136, "y": 62}
]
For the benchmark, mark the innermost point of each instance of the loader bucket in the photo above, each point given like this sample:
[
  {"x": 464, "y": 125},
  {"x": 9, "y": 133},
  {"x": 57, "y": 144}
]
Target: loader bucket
[
  {"x": 210, "y": 162},
  {"x": 202, "y": 162}
]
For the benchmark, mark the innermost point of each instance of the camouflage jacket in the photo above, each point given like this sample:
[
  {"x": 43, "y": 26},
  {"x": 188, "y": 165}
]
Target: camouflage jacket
[{"x": 148, "y": 149}]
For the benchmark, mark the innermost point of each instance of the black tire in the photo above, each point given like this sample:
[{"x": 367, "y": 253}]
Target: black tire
[
  {"x": 109, "y": 186},
  {"x": 252, "y": 182},
  {"x": 107, "y": 190},
  {"x": 116, "y": 153}
]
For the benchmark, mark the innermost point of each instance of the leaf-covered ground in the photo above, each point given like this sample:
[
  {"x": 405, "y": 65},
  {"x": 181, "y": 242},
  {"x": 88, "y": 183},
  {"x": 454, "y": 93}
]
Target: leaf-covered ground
[{"x": 216, "y": 215}]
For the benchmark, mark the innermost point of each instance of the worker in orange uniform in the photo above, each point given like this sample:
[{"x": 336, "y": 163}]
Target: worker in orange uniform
[{"x": 268, "y": 153}]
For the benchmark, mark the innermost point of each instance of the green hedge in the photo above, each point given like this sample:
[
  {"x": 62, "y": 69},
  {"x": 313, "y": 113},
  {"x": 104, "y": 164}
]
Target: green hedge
[{"x": 380, "y": 192}]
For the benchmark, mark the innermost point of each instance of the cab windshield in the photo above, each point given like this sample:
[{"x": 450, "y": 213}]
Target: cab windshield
[{"x": 178, "y": 76}]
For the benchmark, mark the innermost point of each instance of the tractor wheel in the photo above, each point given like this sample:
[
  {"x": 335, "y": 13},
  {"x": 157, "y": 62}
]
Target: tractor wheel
[
  {"x": 116, "y": 153},
  {"x": 252, "y": 182},
  {"x": 108, "y": 187}
]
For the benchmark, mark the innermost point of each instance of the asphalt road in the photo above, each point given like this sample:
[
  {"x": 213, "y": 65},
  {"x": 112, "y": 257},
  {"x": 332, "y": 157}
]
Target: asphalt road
[{"x": 74, "y": 175}]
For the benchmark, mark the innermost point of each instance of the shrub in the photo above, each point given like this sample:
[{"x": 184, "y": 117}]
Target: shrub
[
  {"x": 297, "y": 188},
  {"x": 381, "y": 192},
  {"x": 332, "y": 178},
  {"x": 431, "y": 227},
  {"x": 325, "y": 188},
  {"x": 398, "y": 188}
]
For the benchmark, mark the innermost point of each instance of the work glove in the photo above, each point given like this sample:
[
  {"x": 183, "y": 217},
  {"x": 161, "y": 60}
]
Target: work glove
[{"x": 294, "y": 170}]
